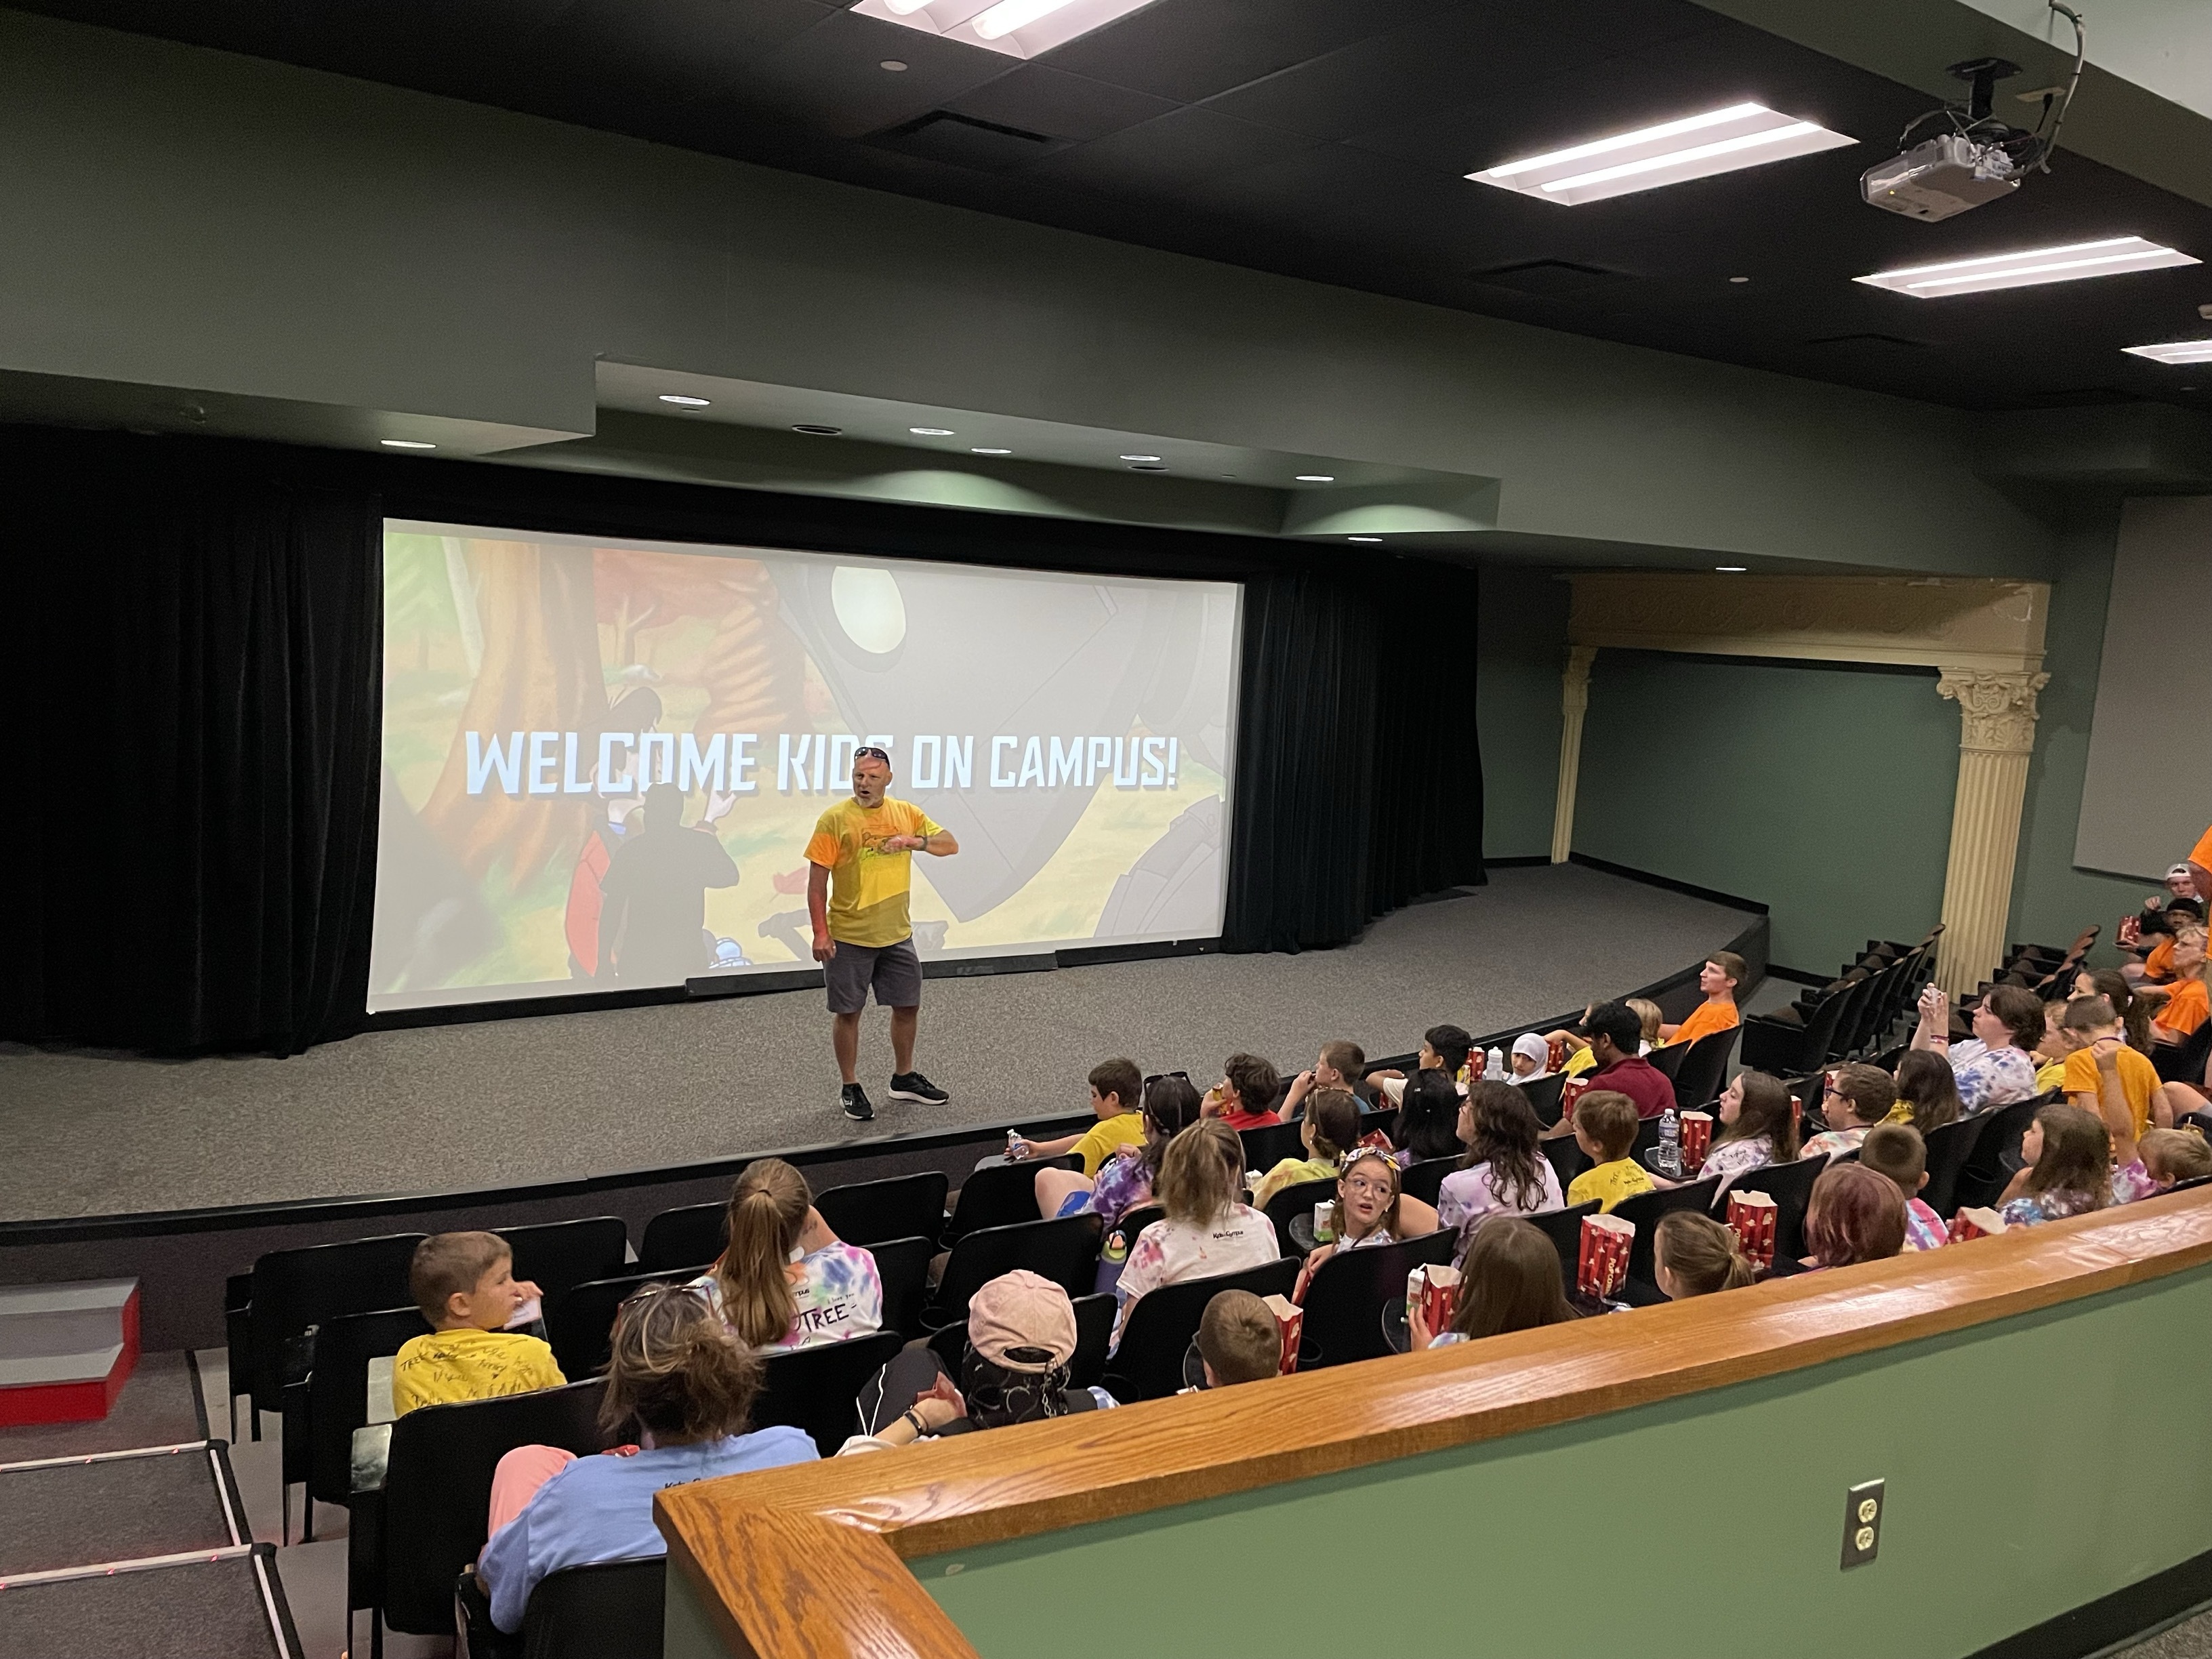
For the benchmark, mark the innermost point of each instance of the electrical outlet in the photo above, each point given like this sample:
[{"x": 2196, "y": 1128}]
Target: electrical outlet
[{"x": 1863, "y": 1507}]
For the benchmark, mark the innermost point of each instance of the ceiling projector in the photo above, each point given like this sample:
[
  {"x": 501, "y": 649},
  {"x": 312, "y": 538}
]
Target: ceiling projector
[{"x": 1945, "y": 176}]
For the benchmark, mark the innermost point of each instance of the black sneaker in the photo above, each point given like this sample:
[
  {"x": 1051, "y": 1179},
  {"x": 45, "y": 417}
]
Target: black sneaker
[
  {"x": 913, "y": 1086},
  {"x": 855, "y": 1100}
]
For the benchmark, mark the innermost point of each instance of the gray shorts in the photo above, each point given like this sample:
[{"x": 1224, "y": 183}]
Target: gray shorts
[{"x": 893, "y": 969}]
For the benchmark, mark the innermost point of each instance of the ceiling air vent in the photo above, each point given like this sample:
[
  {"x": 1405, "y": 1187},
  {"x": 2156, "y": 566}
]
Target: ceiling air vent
[
  {"x": 965, "y": 142},
  {"x": 1551, "y": 279}
]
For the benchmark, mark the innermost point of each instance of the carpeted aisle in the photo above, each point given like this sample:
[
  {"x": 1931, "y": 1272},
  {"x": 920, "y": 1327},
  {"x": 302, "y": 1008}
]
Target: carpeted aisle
[{"x": 526, "y": 1100}]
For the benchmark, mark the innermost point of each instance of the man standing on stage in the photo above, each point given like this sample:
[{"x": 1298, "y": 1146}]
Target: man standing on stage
[{"x": 862, "y": 933}]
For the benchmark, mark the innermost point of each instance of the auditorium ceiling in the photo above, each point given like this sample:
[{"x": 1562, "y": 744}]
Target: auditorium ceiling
[{"x": 1328, "y": 139}]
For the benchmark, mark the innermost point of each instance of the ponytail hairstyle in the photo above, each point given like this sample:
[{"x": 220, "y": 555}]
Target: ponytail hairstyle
[
  {"x": 2131, "y": 1009},
  {"x": 1701, "y": 1255},
  {"x": 675, "y": 1371},
  {"x": 1171, "y": 1105},
  {"x": 1427, "y": 1124},
  {"x": 768, "y": 1212},
  {"x": 1333, "y": 1115},
  {"x": 1765, "y": 1111},
  {"x": 1930, "y": 1088},
  {"x": 1201, "y": 1174}
]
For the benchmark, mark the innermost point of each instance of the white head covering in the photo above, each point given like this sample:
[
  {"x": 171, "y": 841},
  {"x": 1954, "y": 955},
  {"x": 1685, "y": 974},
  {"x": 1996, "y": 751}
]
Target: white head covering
[{"x": 1536, "y": 1048}]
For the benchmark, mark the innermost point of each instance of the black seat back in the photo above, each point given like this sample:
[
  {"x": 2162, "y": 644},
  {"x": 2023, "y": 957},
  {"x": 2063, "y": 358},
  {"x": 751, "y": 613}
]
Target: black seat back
[
  {"x": 814, "y": 1388},
  {"x": 1000, "y": 1194},
  {"x": 1094, "y": 1330},
  {"x": 1296, "y": 1199},
  {"x": 1567, "y": 1157},
  {"x": 1350, "y": 1291},
  {"x": 581, "y": 1320},
  {"x": 1064, "y": 1250},
  {"x": 558, "y": 1255},
  {"x": 1148, "y": 1365},
  {"x": 1948, "y": 1149},
  {"x": 2183, "y": 1061},
  {"x": 903, "y": 1264},
  {"x": 294, "y": 1290},
  {"x": 437, "y": 1488},
  {"x": 338, "y": 1390},
  {"x": 1565, "y": 1229},
  {"x": 677, "y": 1238},
  {"x": 1646, "y": 1209},
  {"x": 903, "y": 1206},
  {"x": 1985, "y": 1174},
  {"x": 1790, "y": 1187},
  {"x": 1271, "y": 1143},
  {"x": 1668, "y": 1060},
  {"x": 1424, "y": 1179},
  {"x": 608, "y": 1610},
  {"x": 1703, "y": 1070},
  {"x": 1543, "y": 1096}
]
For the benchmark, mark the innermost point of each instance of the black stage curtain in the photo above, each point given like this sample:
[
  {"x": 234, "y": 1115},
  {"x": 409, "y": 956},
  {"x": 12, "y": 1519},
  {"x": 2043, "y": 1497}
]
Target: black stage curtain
[
  {"x": 195, "y": 739},
  {"x": 197, "y": 701},
  {"x": 1359, "y": 779}
]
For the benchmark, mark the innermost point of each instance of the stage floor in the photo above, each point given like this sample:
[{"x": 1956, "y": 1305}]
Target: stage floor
[{"x": 443, "y": 1107}]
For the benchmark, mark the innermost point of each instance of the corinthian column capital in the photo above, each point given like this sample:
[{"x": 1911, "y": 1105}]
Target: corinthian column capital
[
  {"x": 1997, "y": 711},
  {"x": 1574, "y": 685}
]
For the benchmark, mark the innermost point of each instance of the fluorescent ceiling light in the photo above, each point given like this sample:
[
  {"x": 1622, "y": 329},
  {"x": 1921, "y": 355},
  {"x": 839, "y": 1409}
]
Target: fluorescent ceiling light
[
  {"x": 1017, "y": 28},
  {"x": 682, "y": 402},
  {"x": 1732, "y": 569},
  {"x": 1695, "y": 147},
  {"x": 2027, "y": 268},
  {"x": 931, "y": 431},
  {"x": 1140, "y": 458},
  {"x": 2174, "y": 351},
  {"x": 1317, "y": 478},
  {"x": 1363, "y": 538},
  {"x": 406, "y": 443},
  {"x": 990, "y": 451}
]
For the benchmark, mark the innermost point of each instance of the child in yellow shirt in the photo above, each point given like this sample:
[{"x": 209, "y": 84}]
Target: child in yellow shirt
[
  {"x": 1116, "y": 1092},
  {"x": 465, "y": 1285},
  {"x": 1605, "y": 1128}
]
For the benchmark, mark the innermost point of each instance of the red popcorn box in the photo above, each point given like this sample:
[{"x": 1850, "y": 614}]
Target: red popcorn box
[
  {"x": 1555, "y": 1050},
  {"x": 1976, "y": 1224},
  {"x": 1697, "y": 1138},
  {"x": 1751, "y": 1216},
  {"x": 1290, "y": 1320},
  {"x": 1569, "y": 1093},
  {"x": 1603, "y": 1267},
  {"x": 1434, "y": 1290}
]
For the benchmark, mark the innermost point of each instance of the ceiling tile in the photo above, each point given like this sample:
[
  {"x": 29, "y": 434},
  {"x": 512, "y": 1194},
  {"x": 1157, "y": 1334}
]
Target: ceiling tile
[
  {"x": 1187, "y": 49},
  {"x": 1038, "y": 98}
]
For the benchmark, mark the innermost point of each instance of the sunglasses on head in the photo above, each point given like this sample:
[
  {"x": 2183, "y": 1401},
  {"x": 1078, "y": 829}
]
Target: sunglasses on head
[
  {"x": 869, "y": 751},
  {"x": 1160, "y": 1077}
]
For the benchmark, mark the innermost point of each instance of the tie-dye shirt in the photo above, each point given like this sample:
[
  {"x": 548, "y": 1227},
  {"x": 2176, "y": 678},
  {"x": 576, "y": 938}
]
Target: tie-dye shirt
[
  {"x": 839, "y": 1292},
  {"x": 1923, "y": 1228},
  {"x": 1990, "y": 1076}
]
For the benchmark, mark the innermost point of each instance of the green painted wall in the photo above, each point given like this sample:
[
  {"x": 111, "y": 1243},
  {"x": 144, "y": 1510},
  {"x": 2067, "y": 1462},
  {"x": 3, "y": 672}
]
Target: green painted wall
[
  {"x": 2020, "y": 1485},
  {"x": 1824, "y": 790},
  {"x": 1520, "y": 646},
  {"x": 2053, "y": 900}
]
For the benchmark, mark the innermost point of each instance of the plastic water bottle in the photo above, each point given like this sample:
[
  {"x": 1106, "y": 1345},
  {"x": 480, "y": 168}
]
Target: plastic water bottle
[
  {"x": 1496, "y": 1071},
  {"x": 1670, "y": 1144}
]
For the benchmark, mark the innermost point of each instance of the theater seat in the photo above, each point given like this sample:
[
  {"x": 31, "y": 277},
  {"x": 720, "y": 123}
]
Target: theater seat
[
  {"x": 1000, "y": 1194},
  {"x": 1148, "y": 1365},
  {"x": 1350, "y": 1291},
  {"x": 608, "y": 1610},
  {"x": 1064, "y": 1250},
  {"x": 814, "y": 1389},
  {"x": 903, "y": 1206}
]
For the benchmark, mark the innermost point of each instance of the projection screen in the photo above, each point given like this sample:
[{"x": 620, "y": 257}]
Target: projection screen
[{"x": 1075, "y": 733}]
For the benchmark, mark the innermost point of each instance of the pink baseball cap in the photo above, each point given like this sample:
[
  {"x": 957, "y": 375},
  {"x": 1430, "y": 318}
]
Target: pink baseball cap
[{"x": 1022, "y": 1310}]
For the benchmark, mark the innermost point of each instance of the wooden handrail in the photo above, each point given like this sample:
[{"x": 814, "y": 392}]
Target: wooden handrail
[{"x": 755, "y": 1567}]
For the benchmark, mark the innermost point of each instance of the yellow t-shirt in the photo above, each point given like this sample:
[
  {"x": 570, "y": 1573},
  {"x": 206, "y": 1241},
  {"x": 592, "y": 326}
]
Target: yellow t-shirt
[
  {"x": 2138, "y": 1082},
  {"x": 1578, "y": 1062},
  {"x": 1128, "y": 1129},
  {"x": 2047, "y": 1077},
  {"x": 868, "y": 887},
  {"x": 444, "y": 1366},
  {"x": 1705, "y": 1019},
  {"x": 1609, "y": 1183},
  {"x": 1289, "y": 1173}
]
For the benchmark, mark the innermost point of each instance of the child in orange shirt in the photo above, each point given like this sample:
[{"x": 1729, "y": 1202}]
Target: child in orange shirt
[{"x": 1718, "y": 979}]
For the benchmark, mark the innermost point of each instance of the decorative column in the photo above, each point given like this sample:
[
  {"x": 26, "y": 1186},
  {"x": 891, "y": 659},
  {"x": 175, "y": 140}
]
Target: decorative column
[
  {"x": 1574, "y": 703},
  {"x": 1996, "y": 734}
]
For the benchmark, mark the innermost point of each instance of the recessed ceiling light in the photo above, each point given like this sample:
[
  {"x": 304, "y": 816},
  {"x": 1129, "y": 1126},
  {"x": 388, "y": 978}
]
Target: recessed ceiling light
[
  {"x": 2174, "y": 351},
  {"x": 1317, "y": 478},
  {"x": 931, "y": 431},
  {"x": 1140, "y": 458},
  {"x": 1018, "y": 28},
  {"x": 990, "y": 451},
  {"x": 2027, "y": 268},
  {"x": 894, "y": 65},
  {"x": 406, "y": 443},
  {"x": 1732, "y": 569},
  {"x": 1695, "y": 147},
  {"x": 682, "y": 402},
  {"x": 1739, "y": 279},
  {"x": 1363, "y": 538},
  {"x": 813, "y": 430}
]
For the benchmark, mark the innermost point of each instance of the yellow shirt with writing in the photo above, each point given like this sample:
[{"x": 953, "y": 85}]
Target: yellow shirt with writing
[
  {"x": 868, "y": 887},
  {"x": 1609, "y": 1183},
  {"x": 1106, "y": 1136},
  {"x": 444, "y": 1366}
]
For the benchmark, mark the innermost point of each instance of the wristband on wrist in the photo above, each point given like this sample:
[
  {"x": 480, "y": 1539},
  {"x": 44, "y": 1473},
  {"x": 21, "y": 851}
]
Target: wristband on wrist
[{"x": 910, "y": 1415}]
